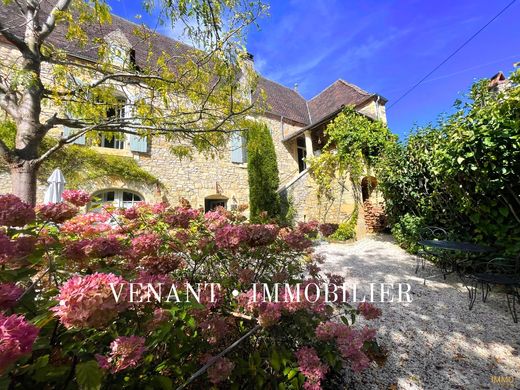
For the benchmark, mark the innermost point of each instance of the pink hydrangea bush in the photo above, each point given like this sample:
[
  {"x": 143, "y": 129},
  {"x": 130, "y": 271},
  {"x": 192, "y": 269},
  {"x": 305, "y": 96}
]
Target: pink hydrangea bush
[
  {"x": 16, "y": 339},
  {"x": 76, "y": 197},
  {"x": 77, "y": 281}
]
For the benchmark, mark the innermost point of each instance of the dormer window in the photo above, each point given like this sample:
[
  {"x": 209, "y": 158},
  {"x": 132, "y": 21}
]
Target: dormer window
[{"x": 118, "y": 55}]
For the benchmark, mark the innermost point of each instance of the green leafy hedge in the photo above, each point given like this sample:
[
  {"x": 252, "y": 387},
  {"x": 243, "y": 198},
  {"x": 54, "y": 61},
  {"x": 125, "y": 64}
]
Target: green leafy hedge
[{"x": 464, "y": 173}]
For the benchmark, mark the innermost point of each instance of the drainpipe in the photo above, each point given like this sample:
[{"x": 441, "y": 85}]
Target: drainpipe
[
  {"x": 308, "y": 144},
  {"x": 377, "y": 107},
  {"x": 281, "y": 127}
]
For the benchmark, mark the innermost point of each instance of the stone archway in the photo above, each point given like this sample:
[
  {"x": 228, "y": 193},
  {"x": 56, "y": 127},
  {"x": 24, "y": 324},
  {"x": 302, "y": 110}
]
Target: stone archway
[{"x": 368, "y": 186}]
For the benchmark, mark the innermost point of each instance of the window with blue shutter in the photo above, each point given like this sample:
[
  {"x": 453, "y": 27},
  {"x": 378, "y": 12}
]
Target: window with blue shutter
[
  {"x": 67, "y": 132},
  {"x": 138, "y": 144},
  {"x": 238, "y": 148}
]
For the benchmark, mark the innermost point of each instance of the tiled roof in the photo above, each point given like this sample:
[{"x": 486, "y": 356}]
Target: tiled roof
[
  {"x": 332, "y": 98},
  {"x": 281, "y": 100}
]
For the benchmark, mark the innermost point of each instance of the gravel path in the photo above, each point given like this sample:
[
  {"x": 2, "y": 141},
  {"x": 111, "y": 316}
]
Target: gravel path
[{"x": 434, "y": 342}]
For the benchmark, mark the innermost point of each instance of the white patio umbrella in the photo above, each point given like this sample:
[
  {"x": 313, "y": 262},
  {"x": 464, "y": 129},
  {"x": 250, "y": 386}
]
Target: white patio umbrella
[{"x": 55, "y": 188}]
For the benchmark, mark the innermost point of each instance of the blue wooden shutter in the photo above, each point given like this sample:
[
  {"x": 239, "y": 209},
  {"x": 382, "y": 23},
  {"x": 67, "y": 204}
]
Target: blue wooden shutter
[
  {"x": 67, "y": 132},
  {"x": 138, "y": 144},
  {"x": 237, "y": 148}
]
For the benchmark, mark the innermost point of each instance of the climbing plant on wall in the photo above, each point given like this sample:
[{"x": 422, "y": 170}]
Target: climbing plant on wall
[{"x": 354, "y": 144}]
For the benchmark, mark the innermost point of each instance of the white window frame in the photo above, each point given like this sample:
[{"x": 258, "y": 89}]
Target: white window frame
[{"x": 118, "y": 201}]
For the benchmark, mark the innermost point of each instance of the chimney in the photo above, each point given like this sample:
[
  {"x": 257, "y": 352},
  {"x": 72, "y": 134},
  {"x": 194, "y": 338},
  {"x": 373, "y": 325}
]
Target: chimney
[{"x": 295, "y": 87}]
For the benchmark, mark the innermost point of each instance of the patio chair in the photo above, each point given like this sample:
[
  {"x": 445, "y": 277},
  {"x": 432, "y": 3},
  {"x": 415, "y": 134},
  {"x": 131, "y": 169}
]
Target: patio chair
[
  {"x": 429, "y": 233},
  {"x": 500, "y": 271}
]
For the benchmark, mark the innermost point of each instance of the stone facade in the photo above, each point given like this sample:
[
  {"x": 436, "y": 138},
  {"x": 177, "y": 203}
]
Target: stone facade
[{"x": 200, "y": 179}]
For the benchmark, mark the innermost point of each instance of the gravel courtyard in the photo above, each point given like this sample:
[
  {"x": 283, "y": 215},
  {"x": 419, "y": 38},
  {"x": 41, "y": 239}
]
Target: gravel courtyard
[{"x": 434, "y": 342}]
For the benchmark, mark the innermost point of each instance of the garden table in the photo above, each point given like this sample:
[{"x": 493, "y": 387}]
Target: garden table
[{"x": 450, "y": 265}]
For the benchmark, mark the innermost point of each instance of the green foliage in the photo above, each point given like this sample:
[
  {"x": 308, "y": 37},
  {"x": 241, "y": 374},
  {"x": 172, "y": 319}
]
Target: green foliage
[
  {"x": 406, "y": 231},
  {"x": 354, "y": 143},
  {"x": 463, "y": 174},
  {"x": 287, "y": 210},
  {"x": 89, "y": 376},
  {"x": 262, "y": 173},
  {"x": 80, "y": 164},
  {"x": 347, "y": 229}
]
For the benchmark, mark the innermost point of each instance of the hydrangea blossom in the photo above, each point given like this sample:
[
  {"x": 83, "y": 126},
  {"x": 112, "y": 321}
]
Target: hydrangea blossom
[
  {"x": 181, "y": 217},
  {"x": 295, "y": 239},
  {"x": 15, "y": 212},
  {"x": 231, "y": 236},
  {"x": 262, "y": 234},
  {"x": 220, "y": 370},
  {"x": 9, "y": 295},
  {"x": 76, "y": 197},
  {"x": 146, "y": 244},
  {"x": 126, "y": 352},
  {"x": 56, "y": 212},
  {"x": 215, "y": 220},
  {"x": 310, "y": 365},
  {"x": 16, "y": 338},
  {"x": 310, "y": 227},
  {"x": 87, "y": 225},
  {"x": 369, "y": 311},
  {"x": 88, "y": 301},
  {"x": 327, "y": 229}
]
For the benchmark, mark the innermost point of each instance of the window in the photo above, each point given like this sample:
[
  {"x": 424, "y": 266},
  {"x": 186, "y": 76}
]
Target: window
[
  {"x": 212, "y": 204},
  {"x": 119, "y": 198},
  {"x": 114, "y": 140},
  {"x": 238, "y": 148},
  {"x": 118, "y": 55},
  {"x": 302, "y": 154}
]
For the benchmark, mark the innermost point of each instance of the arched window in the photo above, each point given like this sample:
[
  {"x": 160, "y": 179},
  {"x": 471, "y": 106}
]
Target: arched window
[{"x": 119, "y": 198}]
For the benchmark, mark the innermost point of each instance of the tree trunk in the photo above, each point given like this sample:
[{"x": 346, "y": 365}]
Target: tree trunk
[{"x": 23, "y": 179}]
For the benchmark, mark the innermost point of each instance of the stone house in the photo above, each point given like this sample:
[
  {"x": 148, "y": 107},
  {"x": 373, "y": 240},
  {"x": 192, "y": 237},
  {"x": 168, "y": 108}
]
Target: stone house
[{"x": 296, "y": 126}]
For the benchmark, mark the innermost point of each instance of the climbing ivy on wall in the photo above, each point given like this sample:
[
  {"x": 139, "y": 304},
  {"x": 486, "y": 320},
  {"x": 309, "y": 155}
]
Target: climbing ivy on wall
[{"x": 80, "y": 164}]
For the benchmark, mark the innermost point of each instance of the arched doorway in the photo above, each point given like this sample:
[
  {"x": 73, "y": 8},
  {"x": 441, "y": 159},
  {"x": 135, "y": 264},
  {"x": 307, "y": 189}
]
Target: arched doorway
[{"x": 368, "y": 185}]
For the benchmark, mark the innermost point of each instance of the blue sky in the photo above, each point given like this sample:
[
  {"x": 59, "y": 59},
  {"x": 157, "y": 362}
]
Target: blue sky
[{"x": 383, "y": 46}]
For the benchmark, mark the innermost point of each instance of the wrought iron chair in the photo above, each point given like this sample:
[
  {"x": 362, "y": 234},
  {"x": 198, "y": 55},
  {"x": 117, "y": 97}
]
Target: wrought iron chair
[
  {"x": 429, "y": 233},
  {"x": 500, "y": 271}
]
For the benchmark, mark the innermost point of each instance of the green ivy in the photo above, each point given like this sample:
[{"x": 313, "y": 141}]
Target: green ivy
[{"x": 80, "y": 164}]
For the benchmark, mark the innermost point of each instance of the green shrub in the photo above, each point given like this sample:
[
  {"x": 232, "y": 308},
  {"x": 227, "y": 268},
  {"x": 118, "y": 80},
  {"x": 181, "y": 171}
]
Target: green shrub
[
  {"x": 347, "y": 229},
  {"x": 406, "y": 231},
  {"x": 262, "y": 171}
]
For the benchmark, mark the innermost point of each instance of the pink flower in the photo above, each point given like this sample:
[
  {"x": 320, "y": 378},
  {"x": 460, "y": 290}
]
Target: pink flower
[
  {"x": 330, "y": 330},
  {"x": 146, "y": 244},
  {"x": 260, "y": 235},
  {"x": 231, "y": 236},
  {"x": 76, "y": 197},
  {"x": 162, "y": 264},
  {"x": 86, "y": 225},
  {"x": 310, "y": 365},
  {"x": 9, "y": 294},
  {"x": 88, "y": 301},
  {"x": 159, "y": 283},
  {"x": 269, "y": 314},
  {"x": 310, "y": 227},
  {"x": 220, "y": 370},
  {"x": 246, "y": 275},
  {"x": 15, "y": 212},
  {"x": 369, "y": 311},
  {"x": 326, "y": 229},
  {"x": 7, "y": 247},
  {"x": 295, "y": 239},
  {"x": 214, "y": 328},
  {"x": 56, "y": 212},
  {"x": 160, "y": 316},
  {"x": 181, "y": 217},
  {"x": 16, "y": 339},
  {"x": 102, "y": 247},
  {"x": 126, "y": 352},
  {"x": 215, "y": 220}
]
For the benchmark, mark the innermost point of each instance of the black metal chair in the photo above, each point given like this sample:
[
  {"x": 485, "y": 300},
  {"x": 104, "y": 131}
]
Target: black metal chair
[
  {"x": 429, "y": 233},
  {"x": 500, "y": 271}
]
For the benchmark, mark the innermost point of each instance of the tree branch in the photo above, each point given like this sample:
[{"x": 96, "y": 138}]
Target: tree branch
[
  {"x": 12, "y": 38},
  {"x": 50, "y": 23}
]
